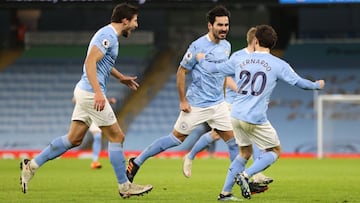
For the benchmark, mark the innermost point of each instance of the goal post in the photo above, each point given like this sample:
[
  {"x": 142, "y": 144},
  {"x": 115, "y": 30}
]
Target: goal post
[{"x": 338, "y": 124}]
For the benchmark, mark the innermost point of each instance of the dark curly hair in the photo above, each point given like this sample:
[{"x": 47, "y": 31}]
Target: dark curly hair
[{"x": 217, "y": 11}]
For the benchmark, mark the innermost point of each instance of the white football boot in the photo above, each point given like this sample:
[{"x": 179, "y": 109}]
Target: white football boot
[{"x": 26, "y": 174}]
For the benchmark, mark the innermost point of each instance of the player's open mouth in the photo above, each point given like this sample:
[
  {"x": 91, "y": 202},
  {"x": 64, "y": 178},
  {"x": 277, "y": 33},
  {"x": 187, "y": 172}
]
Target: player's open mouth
[{"x": 222, "y": 35}]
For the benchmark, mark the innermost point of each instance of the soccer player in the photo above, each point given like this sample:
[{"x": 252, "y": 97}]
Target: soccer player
[
  {"x": 256, "y": 76},
  {"x": 204, "y": 99},
  {"x": 91, "y": 103},
  {"x": 211, "y": 137}
]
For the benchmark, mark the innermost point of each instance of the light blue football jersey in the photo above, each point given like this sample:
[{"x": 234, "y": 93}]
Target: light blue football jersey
[
  {"x": 229, "y": 93},
  {"x": 106, "y": 40},
  {"x": 256, "y": 76},
  {"x": 206, "y": 88}
]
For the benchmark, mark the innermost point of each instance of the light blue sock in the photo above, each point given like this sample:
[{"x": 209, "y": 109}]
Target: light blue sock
[
  {"x": 56, "y": 148},
  {"x": 159, "y": 145},
  {"x": 117, "y": 160},
  {"x": 204, "y": 141},
  {"x": 233, "y": 148},
  {"x": 256, "y": 152},
  {"x": 96, "y": 146},
  {"x": 236, "y": 166},
  {"x": 261, "y": 163}
]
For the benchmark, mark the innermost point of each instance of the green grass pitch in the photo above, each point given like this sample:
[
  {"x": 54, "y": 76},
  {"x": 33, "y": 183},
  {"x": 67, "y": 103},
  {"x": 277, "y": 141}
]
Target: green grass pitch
[{"x": 72, "y": 180}]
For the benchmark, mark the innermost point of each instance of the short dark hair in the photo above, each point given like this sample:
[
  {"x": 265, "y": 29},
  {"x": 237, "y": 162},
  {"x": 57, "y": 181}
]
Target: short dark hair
[
  {"x": 123, "y": 10},
  {"x": 266, "y": 36},
  {"x": 217, "y": 11}
]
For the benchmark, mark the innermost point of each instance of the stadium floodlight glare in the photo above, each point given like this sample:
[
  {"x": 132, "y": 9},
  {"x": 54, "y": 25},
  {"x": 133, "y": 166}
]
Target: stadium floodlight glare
[{"x": 337, "y": 114}]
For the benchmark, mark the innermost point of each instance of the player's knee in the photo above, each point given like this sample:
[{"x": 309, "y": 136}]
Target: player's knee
[
  {"x": 214, "y": 135},
  {"x": 246, "y": 151},
  {"x": 276, "y": 150},
  {"x": 181, "y": 137},
  {"x": 75, "y": 139},
  {"x": 75, "y": 142}
]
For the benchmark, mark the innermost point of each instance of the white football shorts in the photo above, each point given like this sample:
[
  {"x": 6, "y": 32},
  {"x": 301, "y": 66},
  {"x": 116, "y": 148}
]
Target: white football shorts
[
  {"x": 84, "y": 110},
  {"x": 217, "y": 116},
  {"x": 263, "y": 135}
]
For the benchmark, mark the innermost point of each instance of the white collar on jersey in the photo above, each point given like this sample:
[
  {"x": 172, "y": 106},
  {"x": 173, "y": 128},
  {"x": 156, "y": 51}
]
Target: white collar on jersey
[
  {"x": 114, "y": 30},
  {"x": 261, "y": 52},
  {"x": 208, "y": 37}
]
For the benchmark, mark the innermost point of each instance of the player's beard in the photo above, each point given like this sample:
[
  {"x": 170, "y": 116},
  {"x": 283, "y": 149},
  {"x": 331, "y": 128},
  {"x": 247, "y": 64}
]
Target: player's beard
[
  {"x": 125, "y": 33},
  {"x": 219, "y": 33}
]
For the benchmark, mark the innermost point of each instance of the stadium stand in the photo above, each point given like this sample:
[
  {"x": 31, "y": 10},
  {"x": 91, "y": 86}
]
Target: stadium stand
[{"x": 36, "y": 94}]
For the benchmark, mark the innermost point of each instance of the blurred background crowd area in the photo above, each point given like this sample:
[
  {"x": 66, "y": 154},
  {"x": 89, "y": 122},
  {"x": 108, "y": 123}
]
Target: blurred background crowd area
[
  {"x": 43, "y": 45},
  {"x": 293, "y": 20}
]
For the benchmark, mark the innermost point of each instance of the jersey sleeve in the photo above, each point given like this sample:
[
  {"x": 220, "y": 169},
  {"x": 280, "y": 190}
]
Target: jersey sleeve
[
  {"x": 103, "y": 41},
  {"x": 307, "y": 84},
  {"x": 227, "y": 68},
  {"x": 189, "y": 59},
  {"x": 288, "y": 74}
]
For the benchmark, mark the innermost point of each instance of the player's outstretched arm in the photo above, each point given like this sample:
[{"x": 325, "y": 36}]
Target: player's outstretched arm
[
  {"x": 309, "y": 85},
  {"x": 225, "y": 67},
  {"x": 126, "y": 80}
]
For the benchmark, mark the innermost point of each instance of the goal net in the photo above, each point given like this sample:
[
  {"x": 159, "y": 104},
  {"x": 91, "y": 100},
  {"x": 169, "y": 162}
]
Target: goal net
[{"x": 338, "y": 125}]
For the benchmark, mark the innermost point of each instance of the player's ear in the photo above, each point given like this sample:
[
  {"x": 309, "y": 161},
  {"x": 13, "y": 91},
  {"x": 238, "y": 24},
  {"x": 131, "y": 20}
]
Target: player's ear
[
  {"x": 209, "y": 25},
  {"x": 124, "y": 21},
  {"x": 256, "y": 41}
]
